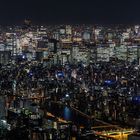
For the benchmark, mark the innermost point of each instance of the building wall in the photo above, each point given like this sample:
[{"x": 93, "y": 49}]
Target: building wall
[{"x": 5, "y": 57}]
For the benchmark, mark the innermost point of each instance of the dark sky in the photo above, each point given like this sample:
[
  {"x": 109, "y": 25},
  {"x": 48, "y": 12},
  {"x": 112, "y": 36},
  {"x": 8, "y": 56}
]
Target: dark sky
[{"x": 70, "y": 11}]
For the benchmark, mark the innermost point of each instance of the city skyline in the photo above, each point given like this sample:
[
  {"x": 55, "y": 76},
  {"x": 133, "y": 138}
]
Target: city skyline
[
  {"x": 69, "y": 12},
  {"x": 62, "y": 82}
]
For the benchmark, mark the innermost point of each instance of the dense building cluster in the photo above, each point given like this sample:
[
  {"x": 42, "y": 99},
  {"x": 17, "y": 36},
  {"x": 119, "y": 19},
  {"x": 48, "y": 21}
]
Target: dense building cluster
[
  {"x": 69, "y": 82},
  {"x": 70, "y": 43}
]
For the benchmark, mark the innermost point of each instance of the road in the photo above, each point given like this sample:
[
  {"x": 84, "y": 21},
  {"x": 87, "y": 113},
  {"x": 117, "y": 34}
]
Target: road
[{"x": 74, "y": 115}]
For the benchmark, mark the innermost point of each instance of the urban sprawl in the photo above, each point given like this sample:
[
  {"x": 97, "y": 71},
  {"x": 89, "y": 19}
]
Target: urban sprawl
[{"x": 69, "y": 82}]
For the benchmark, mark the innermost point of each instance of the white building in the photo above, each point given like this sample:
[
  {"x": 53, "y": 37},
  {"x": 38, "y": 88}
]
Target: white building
[{"x": 80, "y": 54}]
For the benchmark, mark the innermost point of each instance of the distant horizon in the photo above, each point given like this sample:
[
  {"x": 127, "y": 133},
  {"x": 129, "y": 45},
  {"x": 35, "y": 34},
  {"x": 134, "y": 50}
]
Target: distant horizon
[{"x": 35, "y": 23}]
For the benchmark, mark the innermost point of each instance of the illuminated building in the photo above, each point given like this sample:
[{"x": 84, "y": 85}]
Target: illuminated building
[
  {"x": 86, "y": 36},
  {"x": 56, "y": 35},
  {"x": 5, "y": 56},
  {"x": 62, "y": 30},
  {"x": 80, "y": 54},
  {"x": 68, "y": 30}
]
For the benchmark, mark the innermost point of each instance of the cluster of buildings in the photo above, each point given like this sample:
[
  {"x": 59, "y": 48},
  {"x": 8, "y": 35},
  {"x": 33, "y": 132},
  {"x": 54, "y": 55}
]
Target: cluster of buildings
[
  {"x": 70, "y": 43},
  {"x": 101, "y": 91}
]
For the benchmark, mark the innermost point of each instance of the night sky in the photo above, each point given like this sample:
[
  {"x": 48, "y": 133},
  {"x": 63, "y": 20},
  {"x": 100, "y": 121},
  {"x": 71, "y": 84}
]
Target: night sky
[{"x": 70, "y": 11}]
